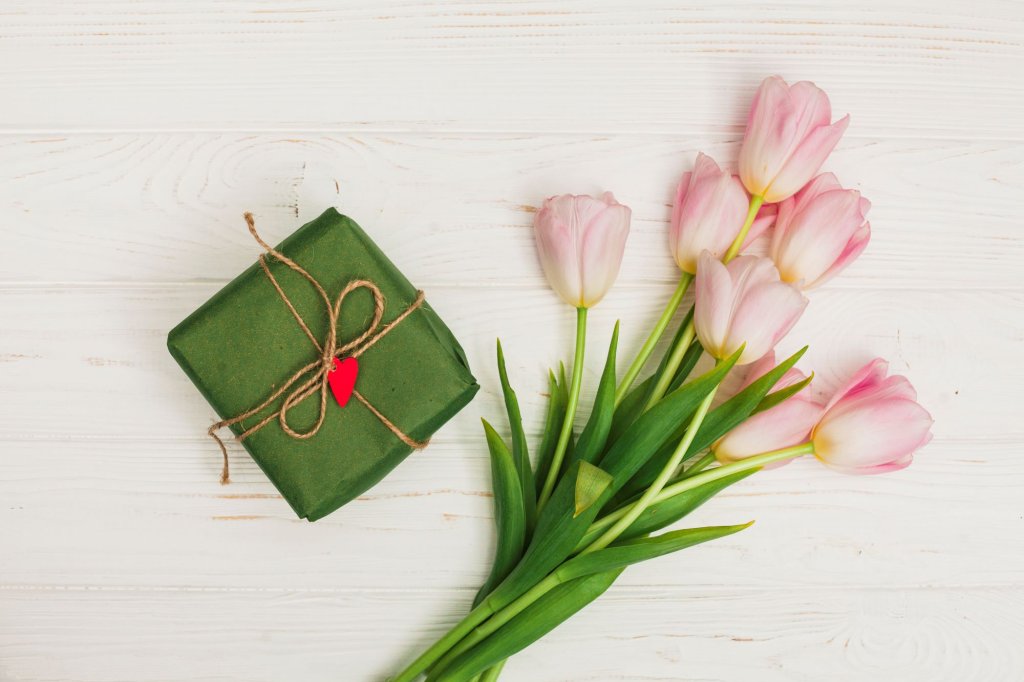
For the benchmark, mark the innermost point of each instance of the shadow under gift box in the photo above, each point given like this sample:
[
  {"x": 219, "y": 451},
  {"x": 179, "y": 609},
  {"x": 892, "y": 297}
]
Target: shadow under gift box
[{"x": 243, "y": 343}]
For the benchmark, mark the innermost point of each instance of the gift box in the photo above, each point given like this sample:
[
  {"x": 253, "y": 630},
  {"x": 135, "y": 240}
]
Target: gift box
[{"x": 262, "y": 352}]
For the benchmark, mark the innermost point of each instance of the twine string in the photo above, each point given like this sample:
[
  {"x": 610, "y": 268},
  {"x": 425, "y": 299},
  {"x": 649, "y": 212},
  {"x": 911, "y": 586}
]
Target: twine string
[{"x": 312, "y": 378}]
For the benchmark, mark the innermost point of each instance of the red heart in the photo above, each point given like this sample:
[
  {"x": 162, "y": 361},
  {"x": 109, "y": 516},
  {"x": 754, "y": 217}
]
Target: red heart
[{"x": 342, "y": 379}]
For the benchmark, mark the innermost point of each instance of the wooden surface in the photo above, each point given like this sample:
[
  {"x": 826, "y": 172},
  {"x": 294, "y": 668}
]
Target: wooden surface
[{"x": 132, "y": 137}]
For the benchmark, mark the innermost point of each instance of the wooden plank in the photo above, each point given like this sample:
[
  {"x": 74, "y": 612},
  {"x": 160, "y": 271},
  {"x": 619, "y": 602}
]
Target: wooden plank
[
  {"x": 158, "y": 207},
  {"x": 143, "y": 513},
  {"x": 116, "y": 379},
  {"x": 906, "y": 68},
  {"x": 717, "y": 635}
]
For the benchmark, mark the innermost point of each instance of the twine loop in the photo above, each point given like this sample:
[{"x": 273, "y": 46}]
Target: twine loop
[{"x": 312, "y": 378}]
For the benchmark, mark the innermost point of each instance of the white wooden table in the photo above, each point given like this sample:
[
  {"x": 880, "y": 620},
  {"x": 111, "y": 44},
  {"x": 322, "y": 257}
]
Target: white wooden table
[{"x": 132, "y": 137}]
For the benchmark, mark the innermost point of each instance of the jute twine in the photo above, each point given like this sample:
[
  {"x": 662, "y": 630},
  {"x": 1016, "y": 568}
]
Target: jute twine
[{"x": 312, "y": 378}]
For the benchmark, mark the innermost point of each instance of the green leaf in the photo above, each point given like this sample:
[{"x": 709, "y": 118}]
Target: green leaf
[
  {"x": 557, "y": 398},
  {"x": 690, "y": 360},
  {"x": 662, "y": 514},
  {"x": 630, "y": 407},
  {"x": 595, "y": 434},
  {"x": 509, "y": 512},
  {"x": 591, "y": 483},
  {"x": 716, "y": 424},
  {"x": 781, "y": 395},
  {"x": 520, "y": 453},
  {"x": 585, "y": 579},
  {"x": 633, "y": 551},
  {"x": 559, "y": 528},
  {"x": 534, "y": 622}
]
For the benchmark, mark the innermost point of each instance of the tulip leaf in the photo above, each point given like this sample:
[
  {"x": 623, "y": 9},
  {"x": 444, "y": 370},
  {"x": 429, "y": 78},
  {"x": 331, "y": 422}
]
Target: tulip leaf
[
  {"x": 509, "y": 512},
  {"x": 781, "y": 395},
  {"x": 559, "y": 528},
  {"x": 663, "y": 514},
  {"x": 558, "y": 397},
  {"x": 540, "y": 618},
  {"x": 584, "y": 578},
  {"x": 716, "y": 424},
  {"x": 637, "y": 549},
  {"x": 591, "y": 483},
  {"x": 592, "y": 440},
  {"x": 630, "y": 407},
  {"x": 690, "y": 360},
  {"x": 520, "y": 453}
]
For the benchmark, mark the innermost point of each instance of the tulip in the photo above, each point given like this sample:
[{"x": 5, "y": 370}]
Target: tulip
[
  {"x": 744, "y": 304},
  {"x": 580, "y": 240},
  {"x": 786, "y": 424},
  {"x": 819, "y": 231},
  {"x": 708, "y": 214},
  {"x": 873, "y": 424},
  {"x": 787, "y": 139}
]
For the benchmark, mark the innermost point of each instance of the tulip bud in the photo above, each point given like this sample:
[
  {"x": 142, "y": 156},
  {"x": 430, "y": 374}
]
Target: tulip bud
[
  {"x": 782, "y": 426},
  {"x": 580, "y": 240},
  {"x": 745, "y": 304},
  {"x": 819, "y": 231},
  {"x": 787, "y": 139},
  {"x": 873, "y": 424}
]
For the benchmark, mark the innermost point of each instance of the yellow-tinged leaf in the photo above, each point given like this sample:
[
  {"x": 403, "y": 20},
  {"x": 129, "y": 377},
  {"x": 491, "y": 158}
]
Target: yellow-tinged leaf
[{"x": 591, "y": 482}]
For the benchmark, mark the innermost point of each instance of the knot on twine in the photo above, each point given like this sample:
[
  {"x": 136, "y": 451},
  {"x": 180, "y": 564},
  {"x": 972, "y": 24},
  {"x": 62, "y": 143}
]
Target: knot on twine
[{"x": 312, "y": 378}]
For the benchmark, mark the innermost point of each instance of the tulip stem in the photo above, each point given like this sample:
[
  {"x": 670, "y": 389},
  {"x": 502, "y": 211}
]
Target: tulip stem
[
  {"x": 671, "y": 366},
  {"x": 645, "y": 351},
  {"x": 737, "y": 244},
  {"x": 570, "y": 410},
  {"x": 688, "y": 483},
  {"x": 700, "y": 465},
  {"x": 443, "y": 645},
  {"x": 631, "y": 513}
]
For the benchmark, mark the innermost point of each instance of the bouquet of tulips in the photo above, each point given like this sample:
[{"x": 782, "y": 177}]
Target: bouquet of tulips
[{"x": 651, "y": 452}]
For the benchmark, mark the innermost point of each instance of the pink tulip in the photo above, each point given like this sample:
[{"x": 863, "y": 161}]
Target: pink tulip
[
  {"x": 580, "y": 240},
  {"x": 787, "y": 139},
  {"x": 743, "y": 302},
  {"x": 708, "y": 213},
  {"x": 873, "y": 424},
  {"x": 819, "y": 231},
  {"x": 787, "y": 424}
]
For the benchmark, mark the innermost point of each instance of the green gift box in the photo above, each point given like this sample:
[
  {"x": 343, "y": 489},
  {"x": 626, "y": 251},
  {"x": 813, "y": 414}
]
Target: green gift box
[{"x": 247, "y": 344}]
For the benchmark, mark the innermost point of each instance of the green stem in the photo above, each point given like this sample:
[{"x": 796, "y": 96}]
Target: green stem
[
  {"x": 503, "y": 616},
  {"x": 570, "y": 410},
  {"x": 492, "y": 673},
  {"x": 679, "y": 350},
  {"x": 652, "y": 339},
  {"x": 637, "y": 508},
  {"x": 715, "y": 474},
  {"x": 700, "y": 465},
  {"x": 443, "y": 645},
  {"x": 737, "y": 244},
  {"x": 554, "y": 579},
  {"x": 671, "y": 367}
]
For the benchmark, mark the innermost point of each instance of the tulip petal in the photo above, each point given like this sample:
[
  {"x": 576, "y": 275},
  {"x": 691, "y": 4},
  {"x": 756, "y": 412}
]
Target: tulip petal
[
  {"x": 713, "y": 289},
  {"x": 805, "y": 160},
  {"x": 764, "y": 315},
  {"x": 858, "y": 242},
  {"x": 788, "y": 423},
  {"x": 876, "y": 434}
]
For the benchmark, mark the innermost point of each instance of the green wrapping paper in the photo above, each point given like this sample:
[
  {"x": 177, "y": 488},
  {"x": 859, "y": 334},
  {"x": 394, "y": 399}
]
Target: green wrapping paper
[{"x": 244, "y": 342}]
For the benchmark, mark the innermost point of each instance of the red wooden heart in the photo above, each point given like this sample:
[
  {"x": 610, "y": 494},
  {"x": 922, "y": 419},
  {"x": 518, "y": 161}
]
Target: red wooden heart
[{"x": 342, "y": 379}]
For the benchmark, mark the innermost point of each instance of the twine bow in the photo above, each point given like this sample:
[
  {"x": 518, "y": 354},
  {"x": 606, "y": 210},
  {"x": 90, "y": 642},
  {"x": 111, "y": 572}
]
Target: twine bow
[{"x": 312, "y": 378}]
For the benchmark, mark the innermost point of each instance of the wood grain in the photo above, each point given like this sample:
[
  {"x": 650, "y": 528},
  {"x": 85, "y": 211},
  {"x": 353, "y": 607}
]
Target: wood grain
[
  {"x": 907, "y": 68},
  {"x": 133, "y": 135},
  {"x": 718, "y": 635},
  {"x": 166, "y": 208}
]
